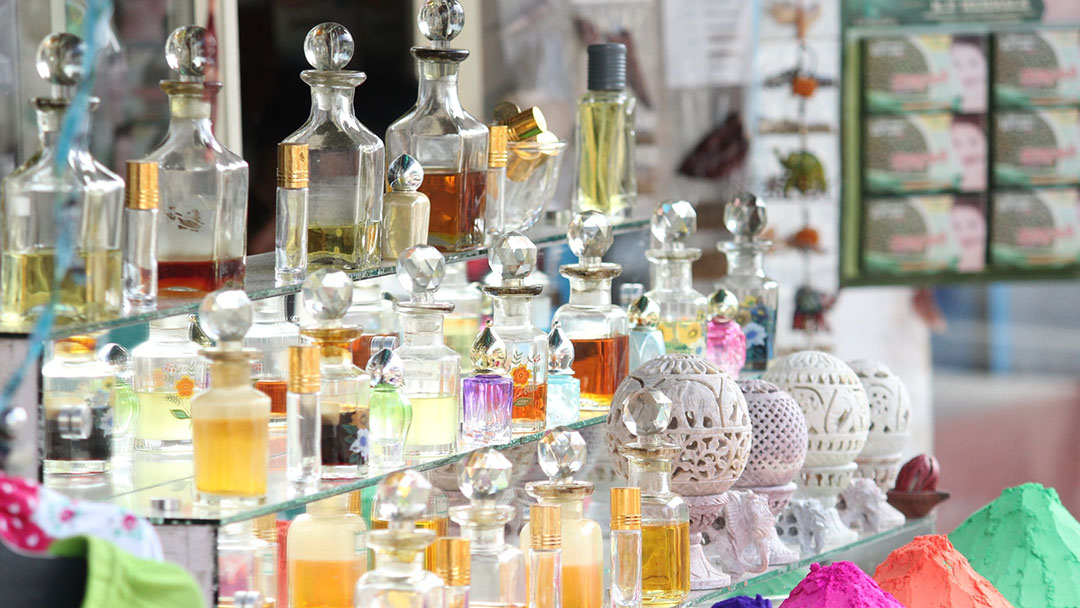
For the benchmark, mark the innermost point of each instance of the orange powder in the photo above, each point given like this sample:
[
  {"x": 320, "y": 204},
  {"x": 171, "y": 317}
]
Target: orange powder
[{"x": 929, "y": 572}]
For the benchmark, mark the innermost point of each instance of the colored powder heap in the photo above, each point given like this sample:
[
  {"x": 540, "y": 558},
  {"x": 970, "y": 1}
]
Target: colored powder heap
[
  {"x": 1027, "y": 544},
  {"x": 743, "y": 601},
  {"x": 839, "y": 585},
  {"x": 929, "y": 572}
]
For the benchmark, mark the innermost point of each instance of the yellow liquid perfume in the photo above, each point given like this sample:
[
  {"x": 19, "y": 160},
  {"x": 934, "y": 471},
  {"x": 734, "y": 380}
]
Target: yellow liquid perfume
[
  {"x": 168, "y": 373},
  {"x": 665, "y": 563},
  {"x": 434, "y": 421},
  {"x": 683, "y": 310},
  {"x": 605, "y": 136},
  {"x": 329, "y": 244},
  {"x": 27, "y": 284}
]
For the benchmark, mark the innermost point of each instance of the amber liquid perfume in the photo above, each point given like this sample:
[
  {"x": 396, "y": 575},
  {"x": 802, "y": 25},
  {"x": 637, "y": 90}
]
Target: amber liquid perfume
[
  {"x": 326, "y": 553},
  {"x": 682, "y": 308},
  {"x": 272, "y": 335}
]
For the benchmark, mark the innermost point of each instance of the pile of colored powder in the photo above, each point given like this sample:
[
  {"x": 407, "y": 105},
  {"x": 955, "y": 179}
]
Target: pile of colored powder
[
  {"x": 780, "y": 585},
  {"x": 839, "y": 585},
  {"x": 743, "y": 601},
  {"x": 1028, "y": 545},
  {"x": 929, "y": 572}
]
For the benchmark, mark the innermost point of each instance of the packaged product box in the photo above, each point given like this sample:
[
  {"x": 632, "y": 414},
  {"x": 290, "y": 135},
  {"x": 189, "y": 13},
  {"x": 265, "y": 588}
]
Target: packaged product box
[
  {"x": 1035, "y": 148},
  {"x": 925, "y": 72},
  {"x": 924, "y": 234},
  {"x": 924, "y": 152},
  {"x": 1035, "y": 228},
  {"x": 1037, "y": 68}
]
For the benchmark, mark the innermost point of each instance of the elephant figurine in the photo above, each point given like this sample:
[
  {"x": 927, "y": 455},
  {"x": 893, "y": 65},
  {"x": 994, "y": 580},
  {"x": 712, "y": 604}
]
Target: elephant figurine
[
  {"x": 863, "y": 506},
  {"x": 815, "y": 527},
  {"x": 739, "y": 537}
]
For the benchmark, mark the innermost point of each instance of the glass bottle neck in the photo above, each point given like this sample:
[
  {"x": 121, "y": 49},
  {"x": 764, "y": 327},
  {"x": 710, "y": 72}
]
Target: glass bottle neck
[
  {"x": 189, "y": 117},
  {"x": 512, "y": 310},
  {"x": 331, "y": 104},
  {"x": 745, "y": 260},
  {"x": 394, "y": 561},
  {"x": 422, "y": 329},
  {"x": 569, "y": 509},
  {"x": 590, "y": 292},
  {"x": 438, "y": 85},
  {"x": 673, "y": 274},
  {"x": 50, "y": 121},
  {"x": 653, "y": 476},
  {"x": 484, "y": 537},
  {"x": 230, "y": 374}
]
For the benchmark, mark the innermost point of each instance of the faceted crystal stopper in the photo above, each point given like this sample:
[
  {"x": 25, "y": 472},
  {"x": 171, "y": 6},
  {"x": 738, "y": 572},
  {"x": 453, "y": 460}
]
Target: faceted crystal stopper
[
  {"x": 225, "y": 316},
  {"x": 646, "y": 412},
  {"x": 441, "y": 20},
  {"x": 560, "y": 350},
  {"x": 327, "y": 294},
  {"x": 420, "y": 269},
  {"x": 643, "y": 312},
  {"x": 723, "y": 305},
  {"x": 484, "y": 475},
  {"x": 561, "y": 453},
  {"x": 190, "y": 51},
  {"x": 589, "y": 236},
  {"x": 673, "y": 222},
  {"x": 115, "y": 355},
  {"x": 403, "y": 496},
  {"x": 405, "y": 174},
  {"x": 745, "y": 216},
  {"x": 385, "y": 367},
  {"x": 488, "y": 350},
  {"x": 328, "y": 46},
  {"x": 513, "y": 257},
  {"x": 60, "y": 59}
]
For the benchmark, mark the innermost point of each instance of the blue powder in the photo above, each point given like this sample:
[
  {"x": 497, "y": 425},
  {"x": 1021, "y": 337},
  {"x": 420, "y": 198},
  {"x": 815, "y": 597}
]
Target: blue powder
[{"x": 743, "y": 601}]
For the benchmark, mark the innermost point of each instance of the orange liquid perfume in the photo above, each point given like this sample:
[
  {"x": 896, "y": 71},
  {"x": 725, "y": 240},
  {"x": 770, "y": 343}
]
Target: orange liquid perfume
[{"x": 601, "y": 364}]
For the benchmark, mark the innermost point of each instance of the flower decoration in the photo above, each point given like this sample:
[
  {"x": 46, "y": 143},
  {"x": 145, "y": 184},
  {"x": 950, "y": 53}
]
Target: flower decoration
[
  {"x": 755, "y": 334},
  {"x": 185, "y": 387},
  {"x": 360, "y": 444},
  {"x": 521, "y": 375}
]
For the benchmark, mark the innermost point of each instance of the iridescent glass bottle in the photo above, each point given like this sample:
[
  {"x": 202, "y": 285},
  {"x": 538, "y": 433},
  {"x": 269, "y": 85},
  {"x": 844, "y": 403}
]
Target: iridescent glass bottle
[
  {"x": 646, "y": 339},
  {"x": 726, "y": 341},
  {"x": 564, "y": 389},
  {"x": 682, "y": 308},
  {"x": 168, "y": 373},
  {"x": 488, "y": 394}
]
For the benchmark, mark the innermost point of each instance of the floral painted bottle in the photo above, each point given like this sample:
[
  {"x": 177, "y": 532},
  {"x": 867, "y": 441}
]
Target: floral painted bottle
[
  {"x": 726, "y": 341},
  {"x": 564, "y": 389},
  {"x": 168, "y": 373},
  {"x": 682, "y": 308},
  {"x": 646, "y": 339},
  {"x": 488, "y": 395}
]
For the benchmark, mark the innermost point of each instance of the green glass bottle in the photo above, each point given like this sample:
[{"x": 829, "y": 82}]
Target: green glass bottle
[{"x": 389, "y": 411}]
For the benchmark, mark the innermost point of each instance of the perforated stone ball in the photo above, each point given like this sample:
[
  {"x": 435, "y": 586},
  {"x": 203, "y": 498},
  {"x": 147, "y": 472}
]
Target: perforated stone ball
[{"x": 779, "y": 436}]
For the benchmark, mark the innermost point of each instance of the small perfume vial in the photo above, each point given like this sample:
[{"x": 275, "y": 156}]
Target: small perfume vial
[
  {"x": 406, "y": 210},
  {"x": 140, "y": 235},
  {"x": 545, "y": 557},
  {"x": 389, "y": 411},
  {"x": 646, "y": 339},
  {"x": 725, "y": 339},
  {"x": 605, "y": 135},
  {"x": 626, "y": 547},
  {"x": 291, "y": 229},
  {"x": 453, "y": 565},
  {"x": 564, "y": 389},
  {"x": 495, "y": 220},
  {"x": 488, "y": 395},
  {"x": 303, "y": 420}
]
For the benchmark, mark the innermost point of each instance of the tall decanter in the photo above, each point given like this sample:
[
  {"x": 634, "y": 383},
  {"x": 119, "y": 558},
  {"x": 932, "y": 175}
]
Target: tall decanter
[
  {"x": 682, "y": 308},
  {"x": 202, "y": 221},
  {"x": 447, "y": 140},
  {"x": 596, "y": 327},
  {"x": 90, "y": 197},
  {"x": 346, "y": 160},
  {"x": 76, "y": 391},
  {"x": 745, "y": 217},
  {"x": 168, "y": 373},
  {"x": 272, "y": 334}
]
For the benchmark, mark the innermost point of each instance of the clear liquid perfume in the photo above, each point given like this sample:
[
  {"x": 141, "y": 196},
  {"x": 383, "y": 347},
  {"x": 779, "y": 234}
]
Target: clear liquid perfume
[
  {"x": 140, "y": 236},
  {"x": 327, "y": 553},
  {"x": 347, "y": 161},
  {"x": 488, "y": 394},
  {"x": 564, "y": 389},
  {"x": 168, "y": 373},
  {"x": 291, "y": 223},
  {"x": 389, "y": 411},
  {"x": 682, "y": 308},
  {"x": 646, "y": 339},
  {"x": 78, "y": 414},
  {"x": 626, "y": 547},
  {"x": 726, "y": 341},
  {"x": 495, "y": 219},
  {"x": 406, "y": 211},
  {"x": 597, "y": 328},
  {"x": 545, "y": 558},
  {"x": 303, "y": 431},
  {"x": 271, "y": 334}
]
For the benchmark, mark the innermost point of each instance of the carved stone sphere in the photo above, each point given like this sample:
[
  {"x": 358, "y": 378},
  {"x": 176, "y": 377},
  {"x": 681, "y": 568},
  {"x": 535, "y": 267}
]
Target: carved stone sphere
[
  {"x": 890, "y": 421},
  {"x": 709, "y": 422},
  {"x": 780, "y": 437}
]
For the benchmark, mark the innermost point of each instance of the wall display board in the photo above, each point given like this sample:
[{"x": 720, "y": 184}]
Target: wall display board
[{"x": 960, "y": 140}]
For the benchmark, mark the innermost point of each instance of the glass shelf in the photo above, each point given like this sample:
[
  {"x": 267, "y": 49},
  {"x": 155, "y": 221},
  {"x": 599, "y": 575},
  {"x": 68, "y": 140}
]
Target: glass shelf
[
  {"x": 134, "y": 484},
  {"x": 259, "y": 281}
]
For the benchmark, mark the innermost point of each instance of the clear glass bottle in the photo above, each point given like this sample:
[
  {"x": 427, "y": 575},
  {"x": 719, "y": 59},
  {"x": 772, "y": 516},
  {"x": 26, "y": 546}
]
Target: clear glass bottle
[
  {"x": 726, "y": 341},
  {"x": 758, "y": 294},
  {"x": 682, "y": 308},
  {"x": 231, "y": 419},
  {"x": 202, "y": 227},
  {"x": 513, "y": 257},
  {"x": 168, "y": 373},
  {"x": 407, "y": 212},
  {"x": 626, "y": 547},
  {"x": 304, "y": 420},
  {"x": 246, "y": 564},
  {"x": 436, "y": 516},
  {"x": 447, "y": 140},
  {"x": 140, "y": 236},
  {"x": 271, "y": 334},
  {"x": 495, "y": 220},
  {"x": 76, "y": 391},
  {"x": 665, "y": 518},
  {"x": 606, "y": 179},
  {"x": 345, "y": 388},
  {"x": 461, "y": 326},
  {"x": 91, "y": 198},
  {"x": 291, "y": 224},
  {"x": 399, "y": 578},
  {"x": 564, "y": 389},
  {"x": 389, "y": 412},
  {"x": 483, "y": 478},
  {"x": 327, "y": 553},
  {"x": 124, "y": 400},
  {"x": 432, "y": 369},
  {"x": 596, "y": 327},
  {"x": 488, "y": 395},
  {"x": 646, "y": 339},
  {"x": 372, "y": 312},
  {"x": 561, "y": 453},
  {"x": 347, "y": 161},
  {"x": 453, "y": 566},
  {"x": 545, "y": 558}
]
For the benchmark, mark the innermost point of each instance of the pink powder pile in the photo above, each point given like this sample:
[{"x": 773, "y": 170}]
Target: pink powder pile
[
  {"x": 929, "y": 572},
  {"x": 839, "y": 585}
]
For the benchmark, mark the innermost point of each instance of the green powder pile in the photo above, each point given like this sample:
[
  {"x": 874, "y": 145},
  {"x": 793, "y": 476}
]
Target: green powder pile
[{"x": 1028, "y": 545}]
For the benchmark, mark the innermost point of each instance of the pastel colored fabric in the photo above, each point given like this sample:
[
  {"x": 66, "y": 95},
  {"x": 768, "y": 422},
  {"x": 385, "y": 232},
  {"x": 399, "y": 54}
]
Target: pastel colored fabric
[
  {"x": 839, "y": 585},
  {"x": 743, "y": 601},
  {"x": 1027, "y": 544},
  {"x": 929, "y": 572}
]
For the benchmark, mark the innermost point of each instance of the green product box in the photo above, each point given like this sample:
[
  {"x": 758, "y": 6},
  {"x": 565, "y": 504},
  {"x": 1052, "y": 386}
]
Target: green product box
[
  {"x": 1035, "y": 148},
  {"x": 912, "y": 235},
  {"x": 1037, "y": 68},
  {"x": 925, "y": 72},
  {"x": 915, "y": 153},
  {"x": 1036, "y": 228}
]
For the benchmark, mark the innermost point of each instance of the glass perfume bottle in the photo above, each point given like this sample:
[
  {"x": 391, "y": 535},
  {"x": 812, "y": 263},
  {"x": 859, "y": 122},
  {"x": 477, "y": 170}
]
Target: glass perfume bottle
[
  {"x": 482, "y": 479},
  {"x": 399, "y": 578},
  {"x": 513, "y": 257},
  {"x": 92, "y": 196},
  {"x": 79, "y": 418},
  {"x": 125, "y": 402},
  {"x": 271, "y": 334},
  {"x": 564, "y": 389},
  {"x": 488, "y": 395},
  {"x": 344, "y": 389},
  {"x": 374, "y": 313},
  {"x": 682, "y": 308},
  {"x": 596, "y": 327},
  {"x": 326, "y": 553},
  {"x": 347, "y": 161},
  {"x": 291, "y": 229},
  {"x": 453, "y": 566},
  {"x": 606, "y": 179},
  {"x": 202, "y": 227},
  {"x": 745, "y": 217},
  {"x": 495, "y": 220},
  {"x": 432, "y": 369},
  {"x": 140, "y": 235},
  {"x": 561, "y": 453},
  {"x": 545, "y": 558},
  {"x": 304, "y": 421},
  {"x": 389, "y": 411},
  {"x": 461, "y": 326},
  {"x": 726, "y": 341},
  {"x": 230, "y": 420},
  {"x": 168, "y": 373},
  {"x": 646, "y": 339},
  {"x": 247, "y": 565},
  {"x": 626, "y": 547},
  {"x": 436, "y": 516},
  {"x": 407, "y": 211},
  {"x": 665, "y": 518},
  {"x": 447, "y": 140}
]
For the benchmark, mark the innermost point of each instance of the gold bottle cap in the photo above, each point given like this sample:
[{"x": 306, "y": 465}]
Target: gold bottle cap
[
  {"x": 545, "y": 524},
  {"x": 304, "y": 374},
  {"x": 504, "y": 111},
  {"x": 292, "y": 165},
  {"x": 497, "y": 151},
  {"x": 528, "y": 123},
  {"x": 76, "y": 345},
  {"x": 625, "y": 508},
  {"x": 452, "y": 561},
  {"x": 141, "y": 191},
  {"x": 265, "y": 528}
]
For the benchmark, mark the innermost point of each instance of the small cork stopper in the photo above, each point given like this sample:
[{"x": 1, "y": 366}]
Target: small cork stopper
[
  {"x": 141, "y": 191},
  {"x": 292, "y": 165},
  {"x": 546, "y": 527},
  {"x": 452, "y": 561},
  {"x": 625, "y": 508},
  {"x": 304, "y": 376}
]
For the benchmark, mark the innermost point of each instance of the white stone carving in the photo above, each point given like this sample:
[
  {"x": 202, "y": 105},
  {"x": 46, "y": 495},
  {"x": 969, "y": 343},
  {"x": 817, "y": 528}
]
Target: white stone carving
[
  {"x": 890, "y": 420},
  {"x": 863, "y": 506}
]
